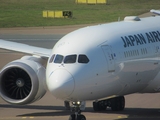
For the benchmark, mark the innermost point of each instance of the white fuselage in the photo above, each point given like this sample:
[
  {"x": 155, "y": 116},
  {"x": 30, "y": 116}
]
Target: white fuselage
[{"x": 123, "y": 59}]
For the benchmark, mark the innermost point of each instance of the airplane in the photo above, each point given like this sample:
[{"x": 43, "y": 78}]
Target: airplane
[{"x": 100, "y": 63}]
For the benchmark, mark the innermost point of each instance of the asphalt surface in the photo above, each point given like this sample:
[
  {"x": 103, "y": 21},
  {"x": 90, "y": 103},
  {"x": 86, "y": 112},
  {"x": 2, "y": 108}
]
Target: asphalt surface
[{"x": 138, "y": 106}]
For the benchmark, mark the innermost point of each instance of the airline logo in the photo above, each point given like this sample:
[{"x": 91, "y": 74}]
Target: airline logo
[{"x": 139, "y": 39}]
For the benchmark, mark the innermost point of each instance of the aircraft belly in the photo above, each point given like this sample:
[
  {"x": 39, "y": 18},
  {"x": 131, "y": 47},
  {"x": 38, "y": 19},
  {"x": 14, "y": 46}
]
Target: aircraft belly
[
  {"x": 136, "y": 75},
  {"x": 97, "y": 92}
]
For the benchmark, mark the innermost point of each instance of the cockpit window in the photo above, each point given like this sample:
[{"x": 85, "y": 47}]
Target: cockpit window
[
  {"x": 58, "y": 59},
  {"x": 52, "y": 58},
  {"x": 70, "y": 59},
  {"x": 83, "y": 59}
]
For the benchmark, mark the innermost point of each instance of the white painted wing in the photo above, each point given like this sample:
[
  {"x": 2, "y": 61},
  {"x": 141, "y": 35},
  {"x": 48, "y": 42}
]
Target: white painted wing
[
  {"x": 155, "y": 11},
  {"x": 23, "y": 48}
]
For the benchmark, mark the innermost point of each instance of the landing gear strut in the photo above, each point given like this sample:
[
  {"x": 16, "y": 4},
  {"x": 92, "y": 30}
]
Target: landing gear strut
[
  {"x": 77, "y": 112},
  {"x": 116, "y": 104}
]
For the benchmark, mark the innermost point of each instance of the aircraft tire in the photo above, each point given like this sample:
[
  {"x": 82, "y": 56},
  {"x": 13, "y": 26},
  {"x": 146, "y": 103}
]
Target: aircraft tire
[
  {"x": 96, "y": 106},
  {"x": 118, "y": 103},
  {"x": 79, "y": 117},
  {"x": 72, "y": 117},
  {"x": 99, "y": 106}
]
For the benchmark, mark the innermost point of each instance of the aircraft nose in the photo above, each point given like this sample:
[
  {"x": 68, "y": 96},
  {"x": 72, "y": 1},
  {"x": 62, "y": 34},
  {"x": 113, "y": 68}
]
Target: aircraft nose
[{"x": 61, "y": 83}]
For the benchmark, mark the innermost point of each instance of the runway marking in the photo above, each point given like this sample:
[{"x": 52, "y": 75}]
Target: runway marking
[
  {"x": 119, "y": 116},
  {"x": 27, "y": 117},
  {"x": 24, "y": 117},
  {"x": 31, "y": 117}
]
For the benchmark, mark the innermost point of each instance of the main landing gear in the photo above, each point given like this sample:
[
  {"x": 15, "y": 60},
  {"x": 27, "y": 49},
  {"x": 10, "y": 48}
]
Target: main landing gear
[
  {"x": 77, "y": 111},
  {"x": 116, "y": 104}
]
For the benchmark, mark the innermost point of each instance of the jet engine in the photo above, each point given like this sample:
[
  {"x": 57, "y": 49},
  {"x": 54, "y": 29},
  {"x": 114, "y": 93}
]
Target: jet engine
[{"x": 23, "y": 81}]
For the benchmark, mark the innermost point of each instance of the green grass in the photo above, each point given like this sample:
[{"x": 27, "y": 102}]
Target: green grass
[{"x": 28, "y": 13}]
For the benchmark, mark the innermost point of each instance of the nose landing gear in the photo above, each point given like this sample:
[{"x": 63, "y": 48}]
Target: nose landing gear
[
  {"x": 116, "y": 104},
  {"x": 77, "y": 111}
]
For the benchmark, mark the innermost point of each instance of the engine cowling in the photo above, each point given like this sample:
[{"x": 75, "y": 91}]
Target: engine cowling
[{"x": 23, "y": 81}]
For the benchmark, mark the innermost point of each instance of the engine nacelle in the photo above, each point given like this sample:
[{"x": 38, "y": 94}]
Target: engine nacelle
[{"x": 23, "y": 81}]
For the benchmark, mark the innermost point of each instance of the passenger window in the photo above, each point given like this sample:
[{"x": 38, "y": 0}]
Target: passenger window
[
  {"x": 58, "y": 59},
  {"x": 83, "y": 59},
  {"x": 70, "y": 59},
  {"x": 52, "y": 58}
]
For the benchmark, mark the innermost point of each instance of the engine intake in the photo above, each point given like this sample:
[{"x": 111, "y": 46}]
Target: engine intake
[{"x": 22, "y": 82}]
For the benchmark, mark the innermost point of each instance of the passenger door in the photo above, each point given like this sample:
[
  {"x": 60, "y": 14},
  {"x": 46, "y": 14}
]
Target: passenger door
[{"x": 109, "y": 57}]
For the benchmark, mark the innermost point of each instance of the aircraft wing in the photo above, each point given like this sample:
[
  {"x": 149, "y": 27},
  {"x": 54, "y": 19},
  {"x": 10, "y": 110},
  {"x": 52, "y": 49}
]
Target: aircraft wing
[
  {"x": 23, "y": 48},
  {"x": 155, "y": 11}
]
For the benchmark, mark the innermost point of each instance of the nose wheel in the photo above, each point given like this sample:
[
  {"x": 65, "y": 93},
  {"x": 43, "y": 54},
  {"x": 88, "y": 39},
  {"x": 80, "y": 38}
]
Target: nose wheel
[
  {"x": 77, "y": 112},
  {"x": 77, "y": 117}
]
